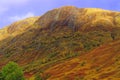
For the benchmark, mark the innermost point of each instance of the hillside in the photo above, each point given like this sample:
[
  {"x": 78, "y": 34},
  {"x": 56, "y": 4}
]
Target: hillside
[
  {"x": 102, "y": 63},
  {"x": 17, "y": 28},
  {"x": 58, "y": 36}
]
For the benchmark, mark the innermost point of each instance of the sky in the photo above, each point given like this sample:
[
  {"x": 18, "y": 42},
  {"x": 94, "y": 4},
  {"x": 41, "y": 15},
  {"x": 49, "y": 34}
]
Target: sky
[{"x": 14, "y": 10}]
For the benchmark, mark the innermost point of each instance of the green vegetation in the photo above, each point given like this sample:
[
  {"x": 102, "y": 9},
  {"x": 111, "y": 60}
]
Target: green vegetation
[
  {"x": 1, "y": 77},
  {"x": 83, "y": 63},
  {"x": 114, "y": 34},
  {"x": 38, "y": 77},
  {"x": 92, "y": 44},
  {"x": 12, "y": 72}
]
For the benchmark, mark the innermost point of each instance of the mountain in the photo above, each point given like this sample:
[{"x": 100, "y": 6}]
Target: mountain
[{"x": 42, "y": 45}]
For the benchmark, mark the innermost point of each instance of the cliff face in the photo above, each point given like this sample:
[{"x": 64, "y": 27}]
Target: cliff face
[{"x": 58, "y": 35}]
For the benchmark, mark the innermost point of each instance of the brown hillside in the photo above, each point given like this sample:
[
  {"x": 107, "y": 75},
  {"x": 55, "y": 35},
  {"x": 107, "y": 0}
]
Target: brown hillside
[{"x": 99, "y": 64}]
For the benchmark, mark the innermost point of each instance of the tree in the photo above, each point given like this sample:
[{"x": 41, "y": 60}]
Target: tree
[
  {"x": 38, "y": 77},
  {"x": 1, "y": 78},
  {"x": 12, "y": 72},
  {"x": 113, "y": 35}
]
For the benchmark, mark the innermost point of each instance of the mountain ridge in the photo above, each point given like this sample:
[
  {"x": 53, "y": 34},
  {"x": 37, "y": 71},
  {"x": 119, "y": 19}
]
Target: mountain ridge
[{"x": 74, "y": 17}]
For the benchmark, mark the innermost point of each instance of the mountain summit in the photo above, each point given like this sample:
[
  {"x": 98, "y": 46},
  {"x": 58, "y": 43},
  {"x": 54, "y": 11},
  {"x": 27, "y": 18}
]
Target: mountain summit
[{"x": 79, "y": 19}]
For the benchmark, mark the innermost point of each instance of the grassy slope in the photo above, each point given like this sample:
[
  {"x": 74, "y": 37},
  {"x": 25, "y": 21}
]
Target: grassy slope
[
  {"x": 17, "y": 28},
  {"x": 102, "y": 63},
  {"x": 58, "y": 35}
]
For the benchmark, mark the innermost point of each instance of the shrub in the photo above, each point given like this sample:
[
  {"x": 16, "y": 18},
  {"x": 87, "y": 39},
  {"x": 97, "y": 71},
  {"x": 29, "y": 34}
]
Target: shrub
[
  {"x": 88, "y": 45},
  {"x": 12, "y": 72},
  {"x": 38, "y": 77},
  {"x": 1, "y": 78},
  {"x": 113, "y": 35}
]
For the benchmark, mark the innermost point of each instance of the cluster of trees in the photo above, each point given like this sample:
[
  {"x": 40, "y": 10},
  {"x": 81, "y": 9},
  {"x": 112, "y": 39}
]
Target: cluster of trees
[{"x": 12, "y": 71}]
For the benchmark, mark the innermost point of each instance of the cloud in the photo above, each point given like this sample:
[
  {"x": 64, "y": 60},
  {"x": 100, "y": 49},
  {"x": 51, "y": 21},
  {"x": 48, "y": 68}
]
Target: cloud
[
  {"x": 17, "y": 18},
  {"x": 2, "y": 10},
  {"x": 5, "y": 5},
  {"x": 12, "y": 2}
]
